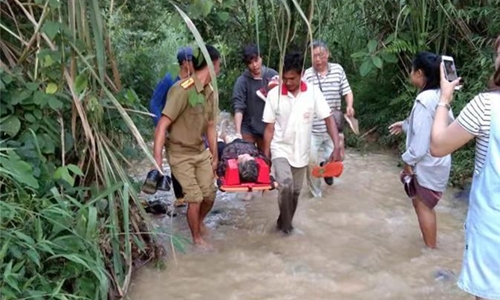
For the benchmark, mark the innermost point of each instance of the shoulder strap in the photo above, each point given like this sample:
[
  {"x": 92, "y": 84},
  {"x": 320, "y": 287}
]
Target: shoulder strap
[{"x": 187, "y": 83}]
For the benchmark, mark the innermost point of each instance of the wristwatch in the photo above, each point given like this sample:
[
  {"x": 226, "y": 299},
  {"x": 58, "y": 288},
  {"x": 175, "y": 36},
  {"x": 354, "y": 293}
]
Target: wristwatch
[{"x": 444, "y": 104}]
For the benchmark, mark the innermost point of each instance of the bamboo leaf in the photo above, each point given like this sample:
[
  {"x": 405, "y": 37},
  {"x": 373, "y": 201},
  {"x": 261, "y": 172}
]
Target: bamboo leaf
[
  {"x": 201, "y": 44},
  {"x": 98, "y": 41}
]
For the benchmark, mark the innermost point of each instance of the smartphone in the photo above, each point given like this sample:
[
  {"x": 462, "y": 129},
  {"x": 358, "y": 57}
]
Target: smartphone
[{"x": 450, "y": 70}]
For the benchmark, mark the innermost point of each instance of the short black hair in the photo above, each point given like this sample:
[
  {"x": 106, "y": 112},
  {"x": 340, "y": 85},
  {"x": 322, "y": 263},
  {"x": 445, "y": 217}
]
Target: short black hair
[
  {"x": 430, "y": 64},
  {"x": 249, "y": 171},
  {"x": 199, "y": 61},
  {"x": 250, "y": 52},
  {"x": 294, "y": 61}
]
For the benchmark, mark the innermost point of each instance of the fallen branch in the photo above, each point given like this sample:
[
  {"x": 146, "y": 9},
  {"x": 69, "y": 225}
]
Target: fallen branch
[{"x": 368, "y": 132}]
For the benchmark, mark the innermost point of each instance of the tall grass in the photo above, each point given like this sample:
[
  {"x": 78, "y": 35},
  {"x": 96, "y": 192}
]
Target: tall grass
[{"x": 72, "y": 224}]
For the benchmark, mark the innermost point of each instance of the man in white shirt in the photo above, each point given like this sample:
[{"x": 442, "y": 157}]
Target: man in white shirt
[
  {"x": 288, "y": 114},
  {"x": 331, "y": 79}
]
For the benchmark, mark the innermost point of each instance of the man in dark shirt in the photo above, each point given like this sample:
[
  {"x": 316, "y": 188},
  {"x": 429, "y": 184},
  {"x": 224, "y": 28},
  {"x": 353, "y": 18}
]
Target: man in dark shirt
[{"x": 246, "y": 103}]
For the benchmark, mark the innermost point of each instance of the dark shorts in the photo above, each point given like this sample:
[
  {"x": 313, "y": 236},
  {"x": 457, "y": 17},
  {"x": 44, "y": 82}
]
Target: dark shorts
[{"x": 413, "y": 189}]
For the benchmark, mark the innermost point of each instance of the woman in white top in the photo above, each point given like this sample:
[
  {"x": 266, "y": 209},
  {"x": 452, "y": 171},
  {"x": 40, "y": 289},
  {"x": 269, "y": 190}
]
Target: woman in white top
[
  {"x": 425, "y": 177},
  {"x": 480, "y": 119}
]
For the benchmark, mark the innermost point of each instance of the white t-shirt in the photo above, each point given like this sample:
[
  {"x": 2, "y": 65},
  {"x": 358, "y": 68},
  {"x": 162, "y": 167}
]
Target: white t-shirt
[
  {"x": 293, "y": 120},
  {"x": 476, "y": 119}
]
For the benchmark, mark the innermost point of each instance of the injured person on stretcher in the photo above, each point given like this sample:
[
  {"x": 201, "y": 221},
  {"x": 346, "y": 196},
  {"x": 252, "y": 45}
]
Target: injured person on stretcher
[{"x": 241, "y": 166}]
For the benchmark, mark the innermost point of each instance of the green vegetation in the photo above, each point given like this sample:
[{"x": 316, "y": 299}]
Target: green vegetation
[
  {"x": 70, "y": 223},
  {"x": 76, "y": 77}
]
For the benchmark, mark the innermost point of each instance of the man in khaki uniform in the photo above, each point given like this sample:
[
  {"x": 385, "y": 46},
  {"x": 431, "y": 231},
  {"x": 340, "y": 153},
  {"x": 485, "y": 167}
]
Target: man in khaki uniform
[{"x": 189, "y": 114}]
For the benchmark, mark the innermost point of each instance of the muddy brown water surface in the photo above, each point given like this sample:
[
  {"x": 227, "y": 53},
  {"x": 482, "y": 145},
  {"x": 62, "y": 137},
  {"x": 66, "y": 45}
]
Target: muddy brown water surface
[{"x": 360, "y": 241}]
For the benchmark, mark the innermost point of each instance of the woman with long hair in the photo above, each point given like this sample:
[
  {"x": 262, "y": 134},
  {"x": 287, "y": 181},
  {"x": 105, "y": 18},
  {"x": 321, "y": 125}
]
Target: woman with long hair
[{"x": 425, "y": 177}]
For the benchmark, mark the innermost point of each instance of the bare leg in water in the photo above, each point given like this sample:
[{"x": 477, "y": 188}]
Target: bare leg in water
[
  {"x": 205, "y": 208},
  {"x": 427, "y": 221},
  {"x": 193, "y": 218}
]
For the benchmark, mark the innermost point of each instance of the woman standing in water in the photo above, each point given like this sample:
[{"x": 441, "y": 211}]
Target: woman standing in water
[
  {"x": 425, "y": 177},
  {"x": 480, "y": 119}
]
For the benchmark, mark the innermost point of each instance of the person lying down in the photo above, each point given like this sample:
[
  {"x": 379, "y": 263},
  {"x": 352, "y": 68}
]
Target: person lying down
[{"x": 229, "y": 148}]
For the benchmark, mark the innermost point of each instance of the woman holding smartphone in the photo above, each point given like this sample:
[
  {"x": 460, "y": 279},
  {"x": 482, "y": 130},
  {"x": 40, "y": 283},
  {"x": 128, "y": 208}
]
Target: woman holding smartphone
[{"x": 480, "y": 119}]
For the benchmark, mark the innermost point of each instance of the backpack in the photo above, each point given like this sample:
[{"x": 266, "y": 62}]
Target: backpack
[{"x": 159, "y": 98}]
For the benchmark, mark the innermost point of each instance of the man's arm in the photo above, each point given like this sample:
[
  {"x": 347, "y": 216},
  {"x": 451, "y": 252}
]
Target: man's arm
[
  {"x": 268, "y": 137},
  {"x": 333, "y": 132},
  {"x": 349, "y": 100},
  {"x": 176, "y": 104},
  {"x": 345, "y": 90},
  {"x": 159, "y": 139},
  {"x": 239, "y": 102},
  {"x": 269, "y": 117},
  {"x": 212, "y": 139}
]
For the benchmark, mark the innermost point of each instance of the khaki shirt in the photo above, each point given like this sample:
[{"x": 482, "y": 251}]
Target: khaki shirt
[{"x": 190, "y": 106}]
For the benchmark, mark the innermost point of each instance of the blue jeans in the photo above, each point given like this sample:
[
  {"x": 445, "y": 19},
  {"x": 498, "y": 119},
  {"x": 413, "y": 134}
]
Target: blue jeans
[{"x": 321, "y": 149}]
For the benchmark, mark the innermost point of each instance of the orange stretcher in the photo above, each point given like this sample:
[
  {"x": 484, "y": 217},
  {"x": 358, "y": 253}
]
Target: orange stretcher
[{"x": 231, "y": 180}]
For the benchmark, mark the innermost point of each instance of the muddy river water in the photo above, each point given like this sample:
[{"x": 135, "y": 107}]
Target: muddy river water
[{"x": 361, "y": 241}]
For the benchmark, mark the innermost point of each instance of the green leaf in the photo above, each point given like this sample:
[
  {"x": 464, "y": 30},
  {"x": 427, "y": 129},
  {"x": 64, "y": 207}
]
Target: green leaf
[
  {"x": 80, "y": 83},
  {"x": 5, "y": 247},
  {"x": 389, "y": 57},
  {"x": 51, "y": 88},
  {"x": 54, "y": 3},
  {"x": 377, "y": 61},
  {"x": 10, "y": 125},
  {"x": 390, "y": 38},
  {"x": 366, "y": 67},
  {"x": 51, "y": 28},
  {"x": 27, "y": 239},
  {"x": 48, "y": 144},
  {"x": 38, "y": 114},
  {"x": 359, "y": 54},
  {"x": 195, "y": 98},
  {"x": 63, "y": 174},
  {"x": 75, "y": 169},
  {"x": 372, "y": 45},
  {"x": 55, "y": 103},
  {"x": 19, "y": 96},
  {"x": 92, "y": 222},
  {"x": 29, "y": 117},
  {"x": 32, "y": 86},
  {"x": 223, "y": 16},
  {"x": 33, "y": 256},
  {"x": 19, "y": 170}
]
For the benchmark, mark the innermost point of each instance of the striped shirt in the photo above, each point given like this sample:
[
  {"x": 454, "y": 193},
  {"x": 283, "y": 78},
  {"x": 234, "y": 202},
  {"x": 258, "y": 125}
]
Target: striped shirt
[
  {"x": 334, "y": 85},
  {"x": 476, "y": 119}
]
